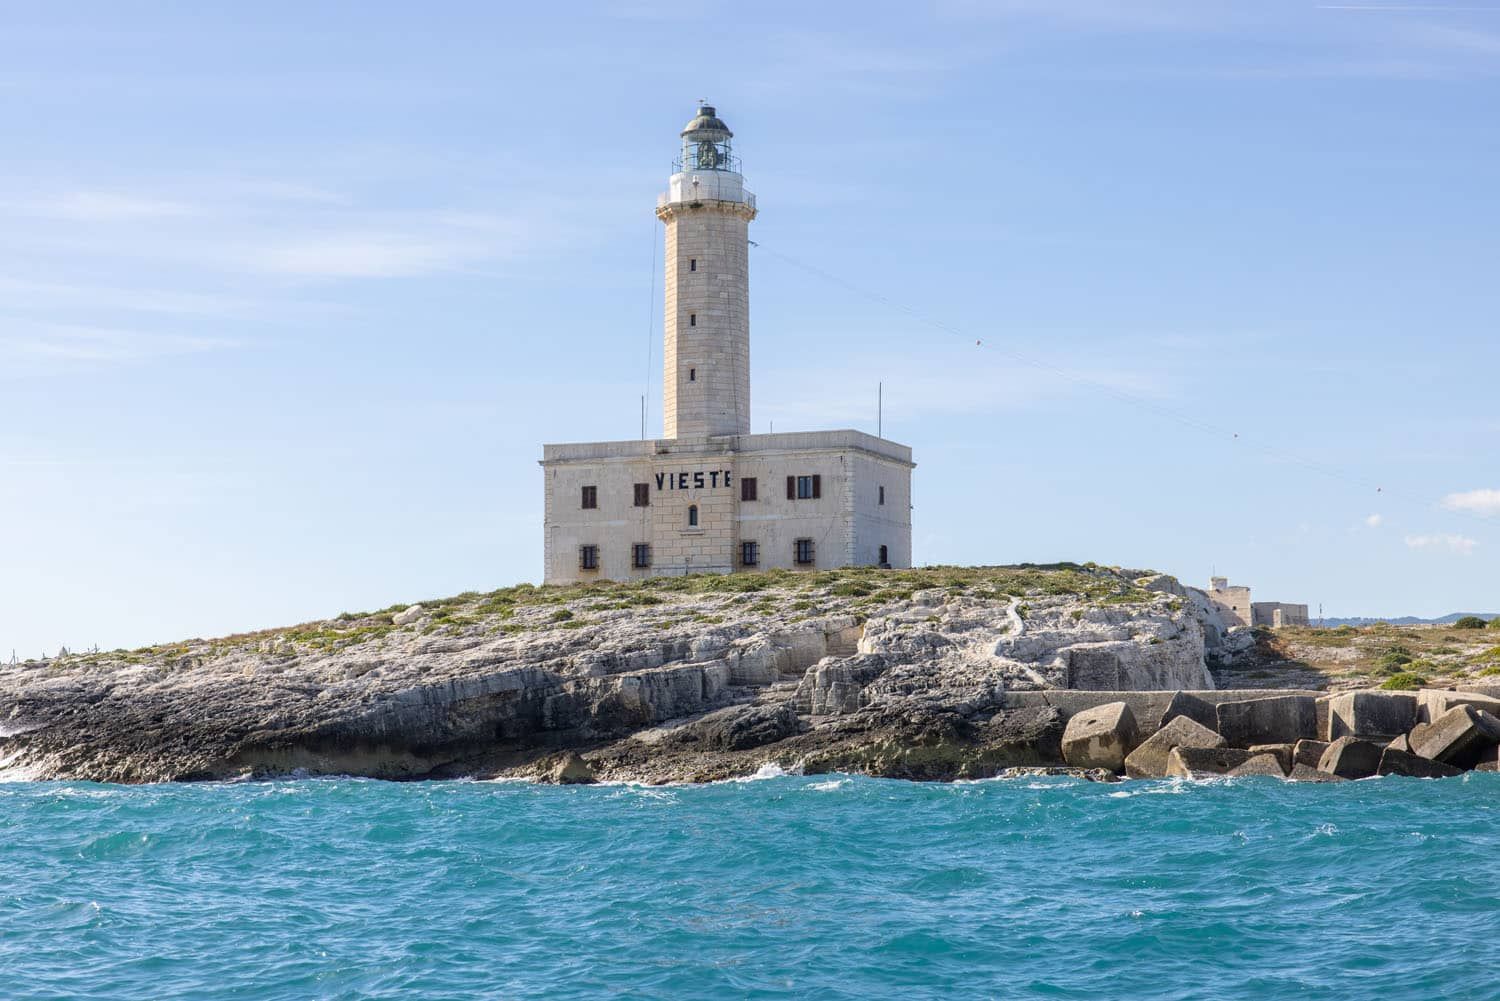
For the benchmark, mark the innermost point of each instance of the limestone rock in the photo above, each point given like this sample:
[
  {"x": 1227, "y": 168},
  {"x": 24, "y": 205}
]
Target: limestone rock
[
  {"x": 740, "y": 728},
  {"x": 1351, "y": 758},
  {"x": 1396, "y": 762},
  {"x": 1282, "y": 719},
  {"x": 408, "y": 615},
  {"x": 1371, "y": 714},
  {"x": 497, "y": 684},
  {"x": 1150, "y": 759},
  {"x": 1307, "y": 773},
  {"x": 1192, "y": 762},
  {"x": 1100, "y": 737},
  {"x": 572, "y": 770},
  {"x": 1401, "y": 743}
]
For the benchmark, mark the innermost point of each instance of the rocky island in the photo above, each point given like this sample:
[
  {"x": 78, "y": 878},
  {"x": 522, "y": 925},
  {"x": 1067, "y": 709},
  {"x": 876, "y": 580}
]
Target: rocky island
[{"x": 937, "y": 673}]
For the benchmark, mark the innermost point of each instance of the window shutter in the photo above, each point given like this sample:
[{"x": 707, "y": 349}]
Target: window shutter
[
  {"x": 791, "y": 488},
  {"x": 817, "y": 486}
]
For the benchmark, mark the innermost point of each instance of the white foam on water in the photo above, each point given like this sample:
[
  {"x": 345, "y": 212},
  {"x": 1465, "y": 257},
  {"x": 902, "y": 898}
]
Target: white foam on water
[
  {"x": 13, "y": 771},
  {"x": 829, "y": 786}
]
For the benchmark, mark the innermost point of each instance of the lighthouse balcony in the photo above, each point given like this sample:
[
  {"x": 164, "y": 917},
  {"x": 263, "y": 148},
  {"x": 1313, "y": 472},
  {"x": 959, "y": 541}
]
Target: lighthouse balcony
[{"x": 706, "y": 186}]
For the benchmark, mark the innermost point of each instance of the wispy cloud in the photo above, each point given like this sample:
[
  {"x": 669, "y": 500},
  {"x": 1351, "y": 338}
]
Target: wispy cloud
[
  {"x": 109, "y": 207},
  {"x": 1374, "y": 521},
  {"x": 70, "y": 342},
  {"x": 365, "y": 255},
  {"x": 1484, "y": 502},
  {"x": 1460, "y": 544}
]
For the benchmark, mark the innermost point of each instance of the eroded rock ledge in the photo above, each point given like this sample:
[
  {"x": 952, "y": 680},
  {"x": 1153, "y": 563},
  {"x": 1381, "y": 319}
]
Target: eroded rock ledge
[{"x": 905, "y": 673}]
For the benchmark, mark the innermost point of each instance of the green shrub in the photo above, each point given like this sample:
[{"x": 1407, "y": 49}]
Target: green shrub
[
  {"x": 1393, "y": 659},
  {"x": 1495, "y": 622},
  {"x": 561, "y": 615},
  {"x": 1469, "y": 622},
  {"x": 1404, "y": 682}
]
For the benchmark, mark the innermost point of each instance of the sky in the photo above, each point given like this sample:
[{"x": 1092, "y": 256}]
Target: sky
[{"x": 292, "y": 294}]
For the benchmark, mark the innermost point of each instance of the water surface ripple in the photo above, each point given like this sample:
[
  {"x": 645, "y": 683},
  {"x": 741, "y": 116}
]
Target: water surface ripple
[{"x": 822, "y": 887}]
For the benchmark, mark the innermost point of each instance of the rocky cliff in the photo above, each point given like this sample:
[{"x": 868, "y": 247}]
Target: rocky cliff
[{"x": 887, "y": 672}]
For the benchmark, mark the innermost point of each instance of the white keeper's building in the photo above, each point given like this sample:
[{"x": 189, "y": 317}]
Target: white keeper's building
[{"x": 709, "y": 496}]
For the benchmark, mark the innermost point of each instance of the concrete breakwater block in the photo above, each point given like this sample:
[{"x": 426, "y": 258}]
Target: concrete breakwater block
[
  {"x": 1433, "y": 703},
  {"x": 1280, "y": 719},
  {"x": 1282, "y": 753},
  {"x": 1150, "y": 759},
  {"x": 1191, "y": 762},
  {"x": 1351, "y": 758},
  {"x": 1100, "y": 737},
  {"x": 1457, "y": 737},
  {"x": 1259, "y": 764},
  {"x": 1308, "y": 752},
  {"x": 1371, "y": 714},
  {"x": 1395, "y": 762},
  {"x": 1152, "y": 709},
  {"x": 1186, "y": 704}
]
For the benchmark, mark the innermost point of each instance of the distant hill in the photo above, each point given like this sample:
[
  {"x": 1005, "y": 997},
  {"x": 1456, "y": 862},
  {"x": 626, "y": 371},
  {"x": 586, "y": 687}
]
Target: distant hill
[{"x": 1409, "y": 620}]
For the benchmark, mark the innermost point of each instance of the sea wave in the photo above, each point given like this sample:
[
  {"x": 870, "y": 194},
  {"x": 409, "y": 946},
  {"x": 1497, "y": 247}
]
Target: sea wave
[{"x": 833, "y": 886}]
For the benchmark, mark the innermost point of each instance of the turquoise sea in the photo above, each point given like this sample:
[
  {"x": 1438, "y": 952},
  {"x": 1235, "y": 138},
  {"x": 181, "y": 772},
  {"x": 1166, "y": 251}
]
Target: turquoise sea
[{"x": 780, "y": 887}]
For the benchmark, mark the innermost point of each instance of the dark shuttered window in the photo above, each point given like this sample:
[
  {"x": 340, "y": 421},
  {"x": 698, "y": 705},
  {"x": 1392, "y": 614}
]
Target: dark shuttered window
[
  {"x": 749, "y": 554},
  {"x": 590, "y": 498},
  {"x": 692, "y": 516},
  {"x": 640, "y": 555},
  {"x": 642, "y": 495},
  {"x": 588, "y": 557},
  {"x": 804, "y": 487},
  {"x": 804, "y": 552},
  {"x": 747, "y": 488}
]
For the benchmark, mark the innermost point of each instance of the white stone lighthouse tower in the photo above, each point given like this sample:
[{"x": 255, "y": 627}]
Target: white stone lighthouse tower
[{"x": 707, "y": 211}]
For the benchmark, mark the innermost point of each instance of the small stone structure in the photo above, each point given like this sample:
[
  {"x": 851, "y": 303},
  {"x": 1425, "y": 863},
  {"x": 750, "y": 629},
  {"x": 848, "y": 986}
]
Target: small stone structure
[{"x": 1235, "y": 605}]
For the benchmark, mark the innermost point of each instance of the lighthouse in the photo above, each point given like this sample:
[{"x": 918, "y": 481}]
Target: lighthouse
[
  {"x": 709, "y": 496},
  {"x": 707, "y": 213}
]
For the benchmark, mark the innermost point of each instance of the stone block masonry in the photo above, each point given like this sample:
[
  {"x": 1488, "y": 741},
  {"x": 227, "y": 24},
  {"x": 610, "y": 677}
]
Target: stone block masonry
[{"x": 709, "y": 496}]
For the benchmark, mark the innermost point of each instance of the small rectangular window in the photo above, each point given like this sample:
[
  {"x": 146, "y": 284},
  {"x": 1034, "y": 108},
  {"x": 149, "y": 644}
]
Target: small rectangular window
[
  {"x": 747, "y": 488},
  {"x": 791, "y": 488},
  {"x": 804, "y": 552},
  {"x": 693, "y": 264},
  {"x": 640, "y": 555},
  {"x": 588, "y": 557},
  {"x": 590, "y": 498},
  {"x": 692, "y": 319},
  {"x": 643, "y": 495},
  {"x": 749, "y": 554},
  {"x": 809, "y": 487},
  {"x": 692, "y": 375},
  {"x": 882, "y": 495}
]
